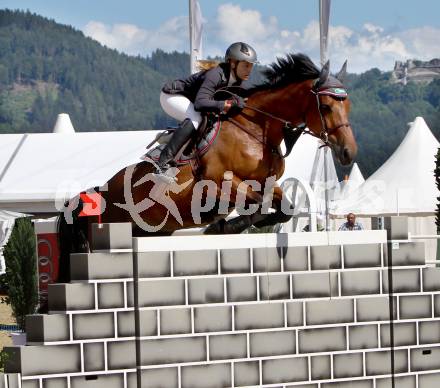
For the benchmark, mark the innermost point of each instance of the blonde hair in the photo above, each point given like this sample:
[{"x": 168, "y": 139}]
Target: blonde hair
[{"x": 206, "y": 64}]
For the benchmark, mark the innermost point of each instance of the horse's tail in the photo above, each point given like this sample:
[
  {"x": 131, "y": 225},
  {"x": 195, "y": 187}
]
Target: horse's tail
[{"x": 72, "y": 236}]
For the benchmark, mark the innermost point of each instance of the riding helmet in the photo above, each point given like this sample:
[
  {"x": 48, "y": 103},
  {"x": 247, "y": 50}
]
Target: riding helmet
[{"x": 241, "y": 52}]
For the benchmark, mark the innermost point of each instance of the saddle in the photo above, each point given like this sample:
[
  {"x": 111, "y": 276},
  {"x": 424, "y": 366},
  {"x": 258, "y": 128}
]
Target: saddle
[{"x": 194, "y": 149}]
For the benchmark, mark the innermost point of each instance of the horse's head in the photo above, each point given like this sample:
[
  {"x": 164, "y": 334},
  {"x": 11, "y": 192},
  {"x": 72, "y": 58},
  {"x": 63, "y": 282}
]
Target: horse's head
[
  {"x": 319, "y": 100},
  {"x": 327, "y": 114}
]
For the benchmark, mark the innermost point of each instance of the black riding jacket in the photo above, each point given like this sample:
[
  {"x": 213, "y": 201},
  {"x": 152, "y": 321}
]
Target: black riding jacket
[{"x": 200, "y": 87}]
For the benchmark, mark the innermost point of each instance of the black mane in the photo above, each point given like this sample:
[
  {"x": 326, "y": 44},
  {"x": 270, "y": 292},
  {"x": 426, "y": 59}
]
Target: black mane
[{"x": 294, "y": 68}]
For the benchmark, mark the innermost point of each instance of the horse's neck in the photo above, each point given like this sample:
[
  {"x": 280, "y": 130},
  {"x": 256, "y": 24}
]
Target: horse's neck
[{"x": 287, "y": 104}]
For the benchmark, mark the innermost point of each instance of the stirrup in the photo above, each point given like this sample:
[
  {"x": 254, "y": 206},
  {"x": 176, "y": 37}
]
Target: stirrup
[{"x": 165, "y": 174}]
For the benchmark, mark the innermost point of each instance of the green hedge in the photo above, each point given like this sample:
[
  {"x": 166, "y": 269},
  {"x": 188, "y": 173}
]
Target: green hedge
[{"x": 21, "y": 270}]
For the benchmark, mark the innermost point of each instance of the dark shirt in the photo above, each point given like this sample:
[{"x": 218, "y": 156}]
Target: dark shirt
[{"x": 200, "y": 88}]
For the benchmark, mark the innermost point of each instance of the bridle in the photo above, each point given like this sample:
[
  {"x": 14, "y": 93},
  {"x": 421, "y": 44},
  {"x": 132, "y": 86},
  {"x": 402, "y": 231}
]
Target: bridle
[
  {"x": 337, "y": 93},
  {"x": 302, "y": 127}
]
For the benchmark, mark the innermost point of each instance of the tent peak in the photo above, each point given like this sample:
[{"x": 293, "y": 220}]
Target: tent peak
[{"x": 63, "y": 124}]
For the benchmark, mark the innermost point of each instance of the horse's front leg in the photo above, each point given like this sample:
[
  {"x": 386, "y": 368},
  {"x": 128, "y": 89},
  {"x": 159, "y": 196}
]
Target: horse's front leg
[
  {"x": 260, "y": 219},
  {"x": 241, "y": 193},
  {"x": 279, "y": 216},
  {"x": 257, "y": 218}
]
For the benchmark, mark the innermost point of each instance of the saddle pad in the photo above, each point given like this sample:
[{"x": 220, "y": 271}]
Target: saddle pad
[{"x": 202, "y": 147}]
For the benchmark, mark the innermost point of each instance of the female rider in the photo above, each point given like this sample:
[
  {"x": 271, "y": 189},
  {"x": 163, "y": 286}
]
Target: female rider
[{"x": 186, "y": 100}]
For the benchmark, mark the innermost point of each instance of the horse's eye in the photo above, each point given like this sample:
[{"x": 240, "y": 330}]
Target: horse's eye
[{"x": 326, "y": 108}]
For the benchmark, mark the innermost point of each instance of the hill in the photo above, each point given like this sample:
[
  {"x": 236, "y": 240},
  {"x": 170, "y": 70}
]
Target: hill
[
  {"x": 47, "y": 68},
  {"x": 381, "y": 111}
]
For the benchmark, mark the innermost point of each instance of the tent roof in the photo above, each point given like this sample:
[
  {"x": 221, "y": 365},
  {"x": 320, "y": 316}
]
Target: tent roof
[
  {"x": 6, "y": 215},
  {"x": 356, "y": 175},
  {"x": 63, "y": 124},
  {"x": 404, "y": 184},
  {"x": 300, "y": 162},
  {"x": 355, "y": 179},
  {"x": 36, "y": 169}
]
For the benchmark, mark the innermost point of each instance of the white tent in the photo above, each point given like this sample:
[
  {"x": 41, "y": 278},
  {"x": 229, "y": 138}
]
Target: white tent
[
  {"x": 299, "y": 164},
  {"x": 313, "y": 165},
  {"x": 324, "y": 180},
  {"x": 36, "y": 170},
  {"x": 7, "y": 221},
  {"x": 354, "y": 181},
  {"x": 39, "y": 171},
  {"x": 404, "y": 184},
  {"x": 63, "y": 124},
  {"x": 306, "y": 162}
]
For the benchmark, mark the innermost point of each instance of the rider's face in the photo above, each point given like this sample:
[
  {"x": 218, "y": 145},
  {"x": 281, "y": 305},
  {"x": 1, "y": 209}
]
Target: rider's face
[{"x": 244, "y": 70}]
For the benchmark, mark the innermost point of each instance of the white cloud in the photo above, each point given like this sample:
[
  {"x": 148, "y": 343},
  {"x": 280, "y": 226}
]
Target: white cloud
[
  {"x": 423, "y": 43},
  {"x": 124, "y": 37},
  {"x": 134, "y": 40},
  {"x": 364, "y": 49},
  {"x": 371, "y": 46},
  {"x": 371, "y": 28},
  {"x": 368, "y": 48},
  {"x": 235, "y": 24}
]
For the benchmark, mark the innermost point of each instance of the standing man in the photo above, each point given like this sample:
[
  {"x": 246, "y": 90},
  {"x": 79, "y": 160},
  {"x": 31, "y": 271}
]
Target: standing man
[{"x": 351, "y": 223}]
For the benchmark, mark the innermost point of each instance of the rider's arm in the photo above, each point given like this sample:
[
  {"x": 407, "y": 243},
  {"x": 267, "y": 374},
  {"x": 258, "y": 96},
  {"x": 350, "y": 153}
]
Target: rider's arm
[{"x": 204, "y": 101}]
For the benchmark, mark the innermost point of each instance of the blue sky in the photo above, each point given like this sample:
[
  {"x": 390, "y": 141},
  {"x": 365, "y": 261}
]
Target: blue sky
[{"x": 370, "y": 33}]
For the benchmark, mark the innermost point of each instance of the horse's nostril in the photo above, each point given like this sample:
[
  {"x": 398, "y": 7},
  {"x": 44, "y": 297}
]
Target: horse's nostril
[{"x": 346, "y": 154}]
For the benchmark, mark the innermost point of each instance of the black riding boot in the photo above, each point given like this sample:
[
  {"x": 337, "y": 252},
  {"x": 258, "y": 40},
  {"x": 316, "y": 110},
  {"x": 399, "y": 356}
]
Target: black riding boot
[{"x": 180, "y": 136}]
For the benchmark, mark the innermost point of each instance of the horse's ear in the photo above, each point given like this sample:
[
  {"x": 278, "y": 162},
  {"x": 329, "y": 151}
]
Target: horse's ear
[
  {"x": 323, "y": 76},
  {"x": 342, "y": 73}
]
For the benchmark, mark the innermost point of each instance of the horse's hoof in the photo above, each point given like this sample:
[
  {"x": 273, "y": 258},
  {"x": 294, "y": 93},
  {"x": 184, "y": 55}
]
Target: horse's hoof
[
  {"x": 216, "y": 228},
  {"x": 212, "y": 229}
]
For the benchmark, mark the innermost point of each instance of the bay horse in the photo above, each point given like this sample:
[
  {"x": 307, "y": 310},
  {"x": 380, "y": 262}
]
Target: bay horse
[{"x": 295, "y": 97}]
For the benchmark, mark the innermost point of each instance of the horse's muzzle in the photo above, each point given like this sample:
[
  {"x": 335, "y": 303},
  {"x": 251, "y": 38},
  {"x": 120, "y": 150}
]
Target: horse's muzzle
[{"x": 345, "y": 155}]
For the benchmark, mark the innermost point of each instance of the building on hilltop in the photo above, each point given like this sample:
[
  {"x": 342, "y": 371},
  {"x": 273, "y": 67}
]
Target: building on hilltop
[{"x": 416, "y": 71}]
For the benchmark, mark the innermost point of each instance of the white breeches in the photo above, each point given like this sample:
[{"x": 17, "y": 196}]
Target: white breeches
[{"x": 180, "y": 108}]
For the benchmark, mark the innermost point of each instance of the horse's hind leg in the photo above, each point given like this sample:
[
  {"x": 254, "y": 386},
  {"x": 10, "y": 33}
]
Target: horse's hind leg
[
  {"x": 236, "y": 225},
  {"x": 273, "y": 219},
  {"x": 241, "y": 223}
]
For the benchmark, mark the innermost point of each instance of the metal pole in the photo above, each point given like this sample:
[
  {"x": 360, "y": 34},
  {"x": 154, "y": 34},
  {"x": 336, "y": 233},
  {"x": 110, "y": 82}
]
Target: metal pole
[
  {"x": 327, "y": 217},
  {"x": 191, "y": 48},
  {"x": 324, "y": 17}
]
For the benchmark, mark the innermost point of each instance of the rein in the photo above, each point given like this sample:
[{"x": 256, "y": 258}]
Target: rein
[
  {"x": 287, "y": 127},
  {"x": 325, "y": 131}
]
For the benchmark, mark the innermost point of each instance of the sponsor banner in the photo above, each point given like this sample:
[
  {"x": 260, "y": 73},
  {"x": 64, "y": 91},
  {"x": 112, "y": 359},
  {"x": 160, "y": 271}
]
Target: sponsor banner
[{"x": 47, "y": 256}]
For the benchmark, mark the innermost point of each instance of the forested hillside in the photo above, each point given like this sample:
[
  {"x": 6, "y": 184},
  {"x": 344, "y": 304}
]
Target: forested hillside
[
  {"x": 381, "y": 111},
  {"x": 47, "y": 68}
]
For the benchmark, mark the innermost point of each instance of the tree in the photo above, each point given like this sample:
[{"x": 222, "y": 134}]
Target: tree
[{"x": 21, "y": 270}]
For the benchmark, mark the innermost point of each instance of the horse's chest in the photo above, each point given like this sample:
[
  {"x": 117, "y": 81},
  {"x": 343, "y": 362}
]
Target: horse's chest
[{"x": 271, "y": 162}]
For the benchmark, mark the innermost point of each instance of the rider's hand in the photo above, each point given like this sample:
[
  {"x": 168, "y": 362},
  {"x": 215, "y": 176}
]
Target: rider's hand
[
  {"x": 234, "y": 105},
  {"x": 227, "y": 106}
]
